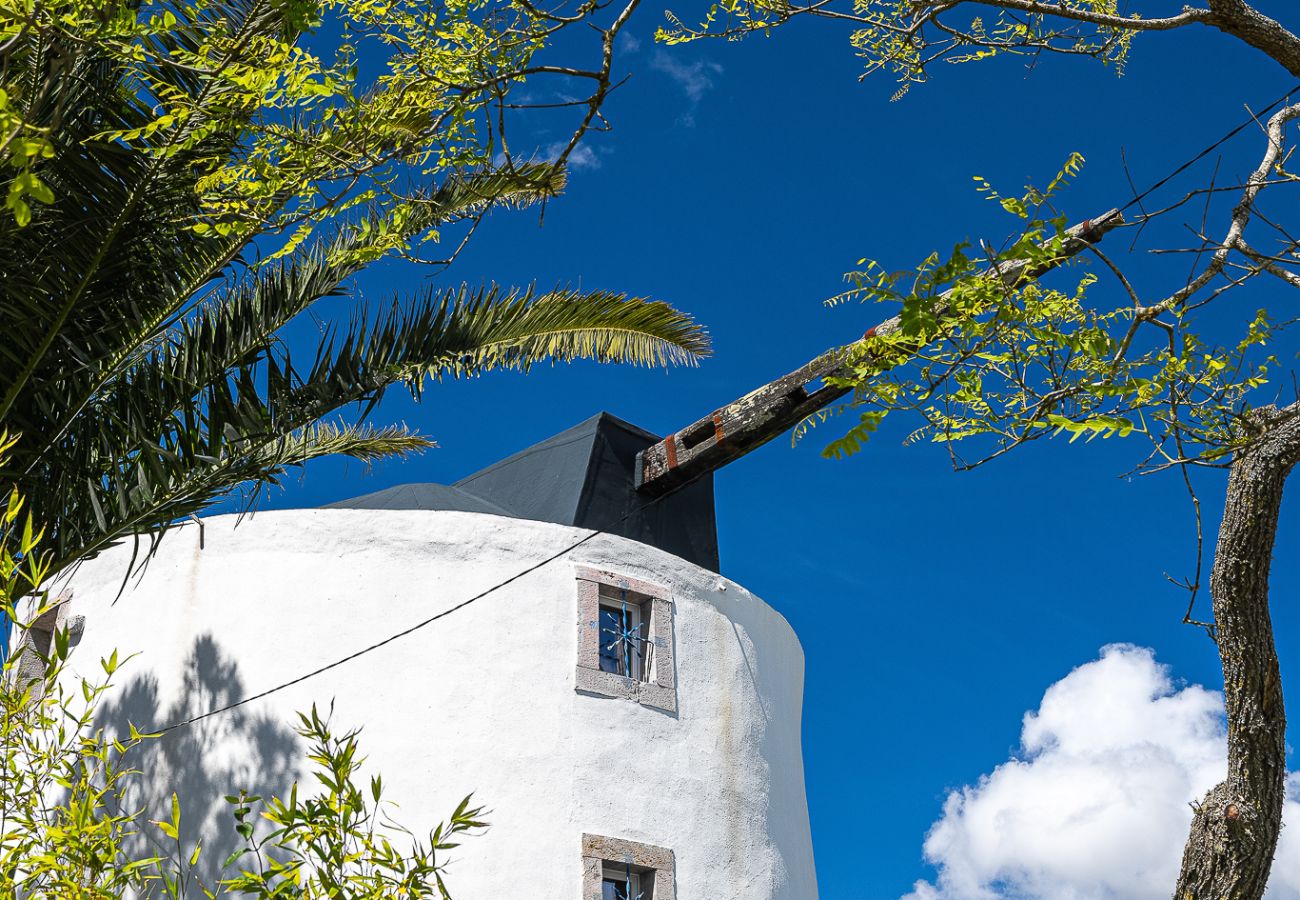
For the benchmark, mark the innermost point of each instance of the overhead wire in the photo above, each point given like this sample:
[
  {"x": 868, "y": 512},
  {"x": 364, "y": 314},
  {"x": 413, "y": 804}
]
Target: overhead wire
[
  {"x": 424, "y": 623},
  {"x": 1252, "y": 120},
  {"x": 528, "y": 570}
]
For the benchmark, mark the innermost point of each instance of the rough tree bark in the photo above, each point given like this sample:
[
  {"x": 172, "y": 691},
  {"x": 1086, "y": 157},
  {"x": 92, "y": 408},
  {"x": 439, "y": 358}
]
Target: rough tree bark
[
  {"x": 1235, "y": 828},
  {"x": 1243, "y": 21}
]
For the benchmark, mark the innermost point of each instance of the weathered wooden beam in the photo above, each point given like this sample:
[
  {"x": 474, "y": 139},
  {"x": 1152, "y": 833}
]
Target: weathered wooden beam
[{"x": 743, "y": 425}]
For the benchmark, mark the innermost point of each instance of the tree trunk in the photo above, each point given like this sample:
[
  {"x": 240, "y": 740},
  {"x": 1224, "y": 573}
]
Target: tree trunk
[{"x": 1235, "y": 828}]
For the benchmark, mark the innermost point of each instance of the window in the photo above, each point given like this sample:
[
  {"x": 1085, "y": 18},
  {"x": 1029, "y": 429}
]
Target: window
[
  {"x": 618, "y": 869},
  {"x": 625, "y": 648},
  {"x": 616, "y": 885},
  {"x": 625, "y": 639}
]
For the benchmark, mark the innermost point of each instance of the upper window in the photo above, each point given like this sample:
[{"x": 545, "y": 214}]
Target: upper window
[
  {"x": 625, "y": 645},
  {"x": 625, "y": 639}
]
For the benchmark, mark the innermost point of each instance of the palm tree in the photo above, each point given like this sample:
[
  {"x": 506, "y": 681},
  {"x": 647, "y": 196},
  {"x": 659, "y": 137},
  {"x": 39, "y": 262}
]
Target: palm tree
[{"x": 141, "y": 368}]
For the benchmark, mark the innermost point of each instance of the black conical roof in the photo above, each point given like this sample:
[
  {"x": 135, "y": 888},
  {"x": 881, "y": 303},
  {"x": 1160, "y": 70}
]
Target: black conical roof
[
  {"x": 584, "y": 476},
  {"x": 420, "y": 496}
]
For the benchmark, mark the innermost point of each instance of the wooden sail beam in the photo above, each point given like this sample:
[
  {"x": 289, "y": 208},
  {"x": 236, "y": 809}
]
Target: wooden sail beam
[{"x": 732, "y": 431}]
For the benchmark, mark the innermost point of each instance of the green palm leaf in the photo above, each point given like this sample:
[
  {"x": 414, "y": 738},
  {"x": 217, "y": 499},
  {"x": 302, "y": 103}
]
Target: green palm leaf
[{"x": 182, "y": 432}]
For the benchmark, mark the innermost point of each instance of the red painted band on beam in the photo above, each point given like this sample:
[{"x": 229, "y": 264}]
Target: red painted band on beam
[
  {"x": 719, "y": 433},
  {"x": 670, "y": 450}
]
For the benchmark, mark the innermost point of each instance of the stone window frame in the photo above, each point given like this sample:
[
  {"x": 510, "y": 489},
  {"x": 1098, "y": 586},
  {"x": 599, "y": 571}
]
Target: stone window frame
[
  {"x": 646, "y": 859},
  {"x": 659, "y": 689}
]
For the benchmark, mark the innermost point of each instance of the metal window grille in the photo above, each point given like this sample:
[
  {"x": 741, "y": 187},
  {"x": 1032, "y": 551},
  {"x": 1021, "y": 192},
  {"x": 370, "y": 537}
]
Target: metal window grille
[
  {"x": 624, "y": 886},
  {"x": 624, "y": 647}
]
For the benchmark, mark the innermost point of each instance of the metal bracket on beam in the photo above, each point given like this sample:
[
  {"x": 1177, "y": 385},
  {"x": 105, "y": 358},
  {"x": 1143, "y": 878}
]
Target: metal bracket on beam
[{"x": 737, "y": 428}]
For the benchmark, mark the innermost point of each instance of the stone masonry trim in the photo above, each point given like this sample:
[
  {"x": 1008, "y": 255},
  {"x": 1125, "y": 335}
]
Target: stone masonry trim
[
  {"x": 598, "y": 850},
  {"x": 659, "y": 691}
]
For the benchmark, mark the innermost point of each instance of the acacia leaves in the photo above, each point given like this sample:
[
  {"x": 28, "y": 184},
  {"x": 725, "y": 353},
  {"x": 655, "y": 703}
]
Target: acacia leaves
[
  {"x": 279, "y": 84},
  {"x": 1008, "y": 360},
  {"x": 905, "y": 37}
]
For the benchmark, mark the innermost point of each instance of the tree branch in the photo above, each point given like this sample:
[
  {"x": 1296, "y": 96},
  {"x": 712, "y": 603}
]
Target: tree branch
[
  {"x": 1244, "y": 22},
  {"x": 1189, "y": 15}
]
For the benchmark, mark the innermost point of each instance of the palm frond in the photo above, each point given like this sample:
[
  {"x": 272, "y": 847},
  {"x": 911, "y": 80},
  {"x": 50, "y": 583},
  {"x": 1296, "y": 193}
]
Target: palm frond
[
  {"x": 518, "y": 329},
  {"x": 367, "y": 443},
  {"x": 178, "y": 431},
  {"x": 238, "y": 321}
]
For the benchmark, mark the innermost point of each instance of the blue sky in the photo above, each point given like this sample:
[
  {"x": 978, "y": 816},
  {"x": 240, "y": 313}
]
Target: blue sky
[{"x": 935, "y": 608}]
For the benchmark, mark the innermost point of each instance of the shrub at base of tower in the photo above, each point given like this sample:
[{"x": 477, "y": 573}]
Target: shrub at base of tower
[
  {"x": 336, "y": 843},
  {"x": 68, "y": 828}
]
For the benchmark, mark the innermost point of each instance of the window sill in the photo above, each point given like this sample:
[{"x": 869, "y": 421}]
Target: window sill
[{"x": 620, "y": 687}]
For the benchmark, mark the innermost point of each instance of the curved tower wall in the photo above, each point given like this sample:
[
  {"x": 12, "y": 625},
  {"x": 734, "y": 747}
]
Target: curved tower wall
[{"x": 483, "y": 701}]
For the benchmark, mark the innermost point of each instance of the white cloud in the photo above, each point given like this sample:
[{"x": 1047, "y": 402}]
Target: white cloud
[
  {"x": 582, "y": 157},
  {"x": 629, "y": 42},
  {"x": 693, "y": 78},
  {"x": 1284, "y": 883},
  {"x": 1096, "y": 804}
]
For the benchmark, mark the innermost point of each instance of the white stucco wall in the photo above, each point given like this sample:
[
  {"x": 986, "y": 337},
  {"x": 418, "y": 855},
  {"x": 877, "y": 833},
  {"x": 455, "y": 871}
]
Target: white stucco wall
[{"x": 482, "y": 701}]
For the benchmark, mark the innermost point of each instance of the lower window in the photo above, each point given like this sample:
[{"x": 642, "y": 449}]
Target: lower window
[
  {"x": 619, "y": 869},
  {"x": 622, "y": 885}
]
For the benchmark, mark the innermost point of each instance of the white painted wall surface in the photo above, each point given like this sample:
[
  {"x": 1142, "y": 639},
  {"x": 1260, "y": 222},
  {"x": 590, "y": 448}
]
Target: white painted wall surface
[{"x": 482, "y": 701}]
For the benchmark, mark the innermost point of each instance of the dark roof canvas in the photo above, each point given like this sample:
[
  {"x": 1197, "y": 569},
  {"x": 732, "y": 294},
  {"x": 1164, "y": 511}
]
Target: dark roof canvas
[{"x": 584, "y": 477}]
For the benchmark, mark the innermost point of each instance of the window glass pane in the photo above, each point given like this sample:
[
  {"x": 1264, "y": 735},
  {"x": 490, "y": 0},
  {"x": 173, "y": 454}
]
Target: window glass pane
[
  {"x": 612, "y": 655},
  {"x": 621, "y": 887},
  {"x": 622, "y": 640}
]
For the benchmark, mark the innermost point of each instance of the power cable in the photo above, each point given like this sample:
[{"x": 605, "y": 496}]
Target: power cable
[
  {"x": 426, "y": 622},
  {"x": 1254, "y": 119}
]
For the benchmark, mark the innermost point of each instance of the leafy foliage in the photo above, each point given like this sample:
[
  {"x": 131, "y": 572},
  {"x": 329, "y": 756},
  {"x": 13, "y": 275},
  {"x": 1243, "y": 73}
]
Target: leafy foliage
[
  {"x": 1000, "y": 361},
  {"x": 981, "y": 357},
  {"x": 208, "y": 175},
  {"x": 68, "y": 824},
  {"x": 906, "y": 38},
  {"x": 334, "y": 844},
  {"x": 60, "y": 798},
  {"x": 65, "y": 788},
  {"x": 61, "y": 778},
  {"x": 265, "y": 100}
]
